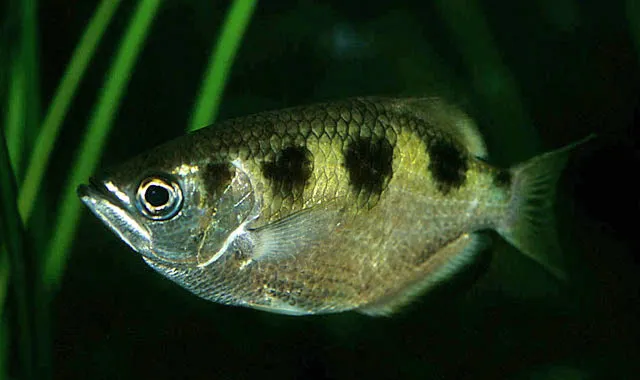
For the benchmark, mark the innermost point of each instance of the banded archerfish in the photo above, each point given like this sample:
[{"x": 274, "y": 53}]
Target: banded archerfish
[{"x": 360, "y": 204}]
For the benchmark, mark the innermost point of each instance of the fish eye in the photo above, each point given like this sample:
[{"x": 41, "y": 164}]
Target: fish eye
[{"x": 159, "y": 198}]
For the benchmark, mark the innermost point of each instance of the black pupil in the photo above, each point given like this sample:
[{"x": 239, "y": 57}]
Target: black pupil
[{"x": 157, "y": 195}]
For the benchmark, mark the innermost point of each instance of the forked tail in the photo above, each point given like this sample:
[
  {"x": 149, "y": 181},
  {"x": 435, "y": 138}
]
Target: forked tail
[{"x": 529, "y": 224}]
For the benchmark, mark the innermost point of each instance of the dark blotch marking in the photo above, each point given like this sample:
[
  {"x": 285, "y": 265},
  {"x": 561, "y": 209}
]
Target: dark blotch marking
[
  {"x": 290, "y": 170},
  {"x": 217, "y": 177},
  {"x": 448, "y": 164},
  {"x": 502, "y": 178},
  {"x": 369, "y": 164}
]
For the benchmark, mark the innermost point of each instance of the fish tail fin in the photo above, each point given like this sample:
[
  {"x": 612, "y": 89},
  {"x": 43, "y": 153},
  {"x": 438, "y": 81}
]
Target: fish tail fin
[{"x": 529, "y": 223}]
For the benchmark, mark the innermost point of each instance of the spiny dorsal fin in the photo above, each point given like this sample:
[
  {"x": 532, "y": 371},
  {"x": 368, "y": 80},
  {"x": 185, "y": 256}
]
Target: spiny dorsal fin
[{"x": 449, "y": 118}]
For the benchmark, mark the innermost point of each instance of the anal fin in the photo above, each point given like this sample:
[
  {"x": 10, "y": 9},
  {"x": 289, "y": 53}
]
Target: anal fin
[{"x": 448, "y": 261}]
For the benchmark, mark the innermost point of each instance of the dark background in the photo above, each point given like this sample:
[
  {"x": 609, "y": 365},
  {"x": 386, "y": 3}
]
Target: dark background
[{"x": 546, "y": 74}]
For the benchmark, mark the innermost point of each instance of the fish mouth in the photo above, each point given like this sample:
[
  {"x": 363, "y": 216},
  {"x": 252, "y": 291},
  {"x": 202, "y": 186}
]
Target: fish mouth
[
  {"x": 96, "y": 189},
  {"x": 114, "y": 211}
]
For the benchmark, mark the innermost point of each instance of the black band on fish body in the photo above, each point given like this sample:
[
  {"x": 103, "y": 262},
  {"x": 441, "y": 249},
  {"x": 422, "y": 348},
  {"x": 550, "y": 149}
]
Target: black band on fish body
[
  {"x": 447, "y": 163},
  {"x": 290, "y": 171},
  {"x": 369, "y": 163}
]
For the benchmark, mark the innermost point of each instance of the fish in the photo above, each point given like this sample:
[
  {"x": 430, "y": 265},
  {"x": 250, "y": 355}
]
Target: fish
[{"x": 359, "y": 205}]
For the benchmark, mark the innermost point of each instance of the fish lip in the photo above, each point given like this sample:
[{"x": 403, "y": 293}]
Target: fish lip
[
  {"x": 115, "y": 214},
  {"x": 97, "y": 189}
]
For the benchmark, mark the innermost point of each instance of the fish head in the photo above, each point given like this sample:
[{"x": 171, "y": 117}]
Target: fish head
[{"x": 179, "y": 214}]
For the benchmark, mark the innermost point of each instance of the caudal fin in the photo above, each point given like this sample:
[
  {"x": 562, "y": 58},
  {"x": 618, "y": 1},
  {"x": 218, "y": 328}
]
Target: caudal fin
[{"x": 530, "y": 224}]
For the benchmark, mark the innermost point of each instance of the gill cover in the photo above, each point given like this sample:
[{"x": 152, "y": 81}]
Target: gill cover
[
  {"x": 234, "y": 208},
  {"x": 217, "y": 202}
]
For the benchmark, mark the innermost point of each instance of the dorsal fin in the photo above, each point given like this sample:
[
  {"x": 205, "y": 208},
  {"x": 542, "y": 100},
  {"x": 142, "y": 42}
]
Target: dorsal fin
[{"x": 449, "y": 118}]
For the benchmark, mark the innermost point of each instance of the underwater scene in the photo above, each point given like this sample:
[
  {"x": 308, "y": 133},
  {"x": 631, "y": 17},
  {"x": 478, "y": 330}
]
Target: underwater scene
[{"x": 308, "y": 189}]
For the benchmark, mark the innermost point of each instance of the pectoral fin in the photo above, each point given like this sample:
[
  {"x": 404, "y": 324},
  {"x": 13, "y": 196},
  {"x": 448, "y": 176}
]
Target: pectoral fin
[{"x": 296, "y": 233}]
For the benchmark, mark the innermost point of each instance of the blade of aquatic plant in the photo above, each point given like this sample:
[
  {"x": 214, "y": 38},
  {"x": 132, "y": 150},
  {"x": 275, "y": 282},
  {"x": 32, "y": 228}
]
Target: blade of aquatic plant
[
  {"x": 491, "y": 78},
  {"x": 633, "y": 15},
  {"x": 60, "y": 104},
  {"x": 25, "y": 111},
  {"x": 12, "y": 236},
  {"x": 15, "y": 116},
  {"x": 220, "y": 62},
  {"x": 22, "y": 117},
  {"x": 13, "y": 128},
  {"x": 4, "y": 275},
  {"x": 95, "y": 139},
  {"x": 4, "y": 331},
  {"x": 14, "y": 121},
  {"x": 4, "y": 347}
]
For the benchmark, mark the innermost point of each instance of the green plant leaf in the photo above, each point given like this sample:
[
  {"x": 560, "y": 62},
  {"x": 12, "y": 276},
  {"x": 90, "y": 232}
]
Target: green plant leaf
[
  {"x": 15, "y": 115},
  {"x": 490, "y": 76},
  {"x": 95, "y": 139},
  {"x": 23, "y": 114},
  {"x": 60, "y": 104},
  {"x": 220, "y": 62},
  {"x": 12, "y": 238}
]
